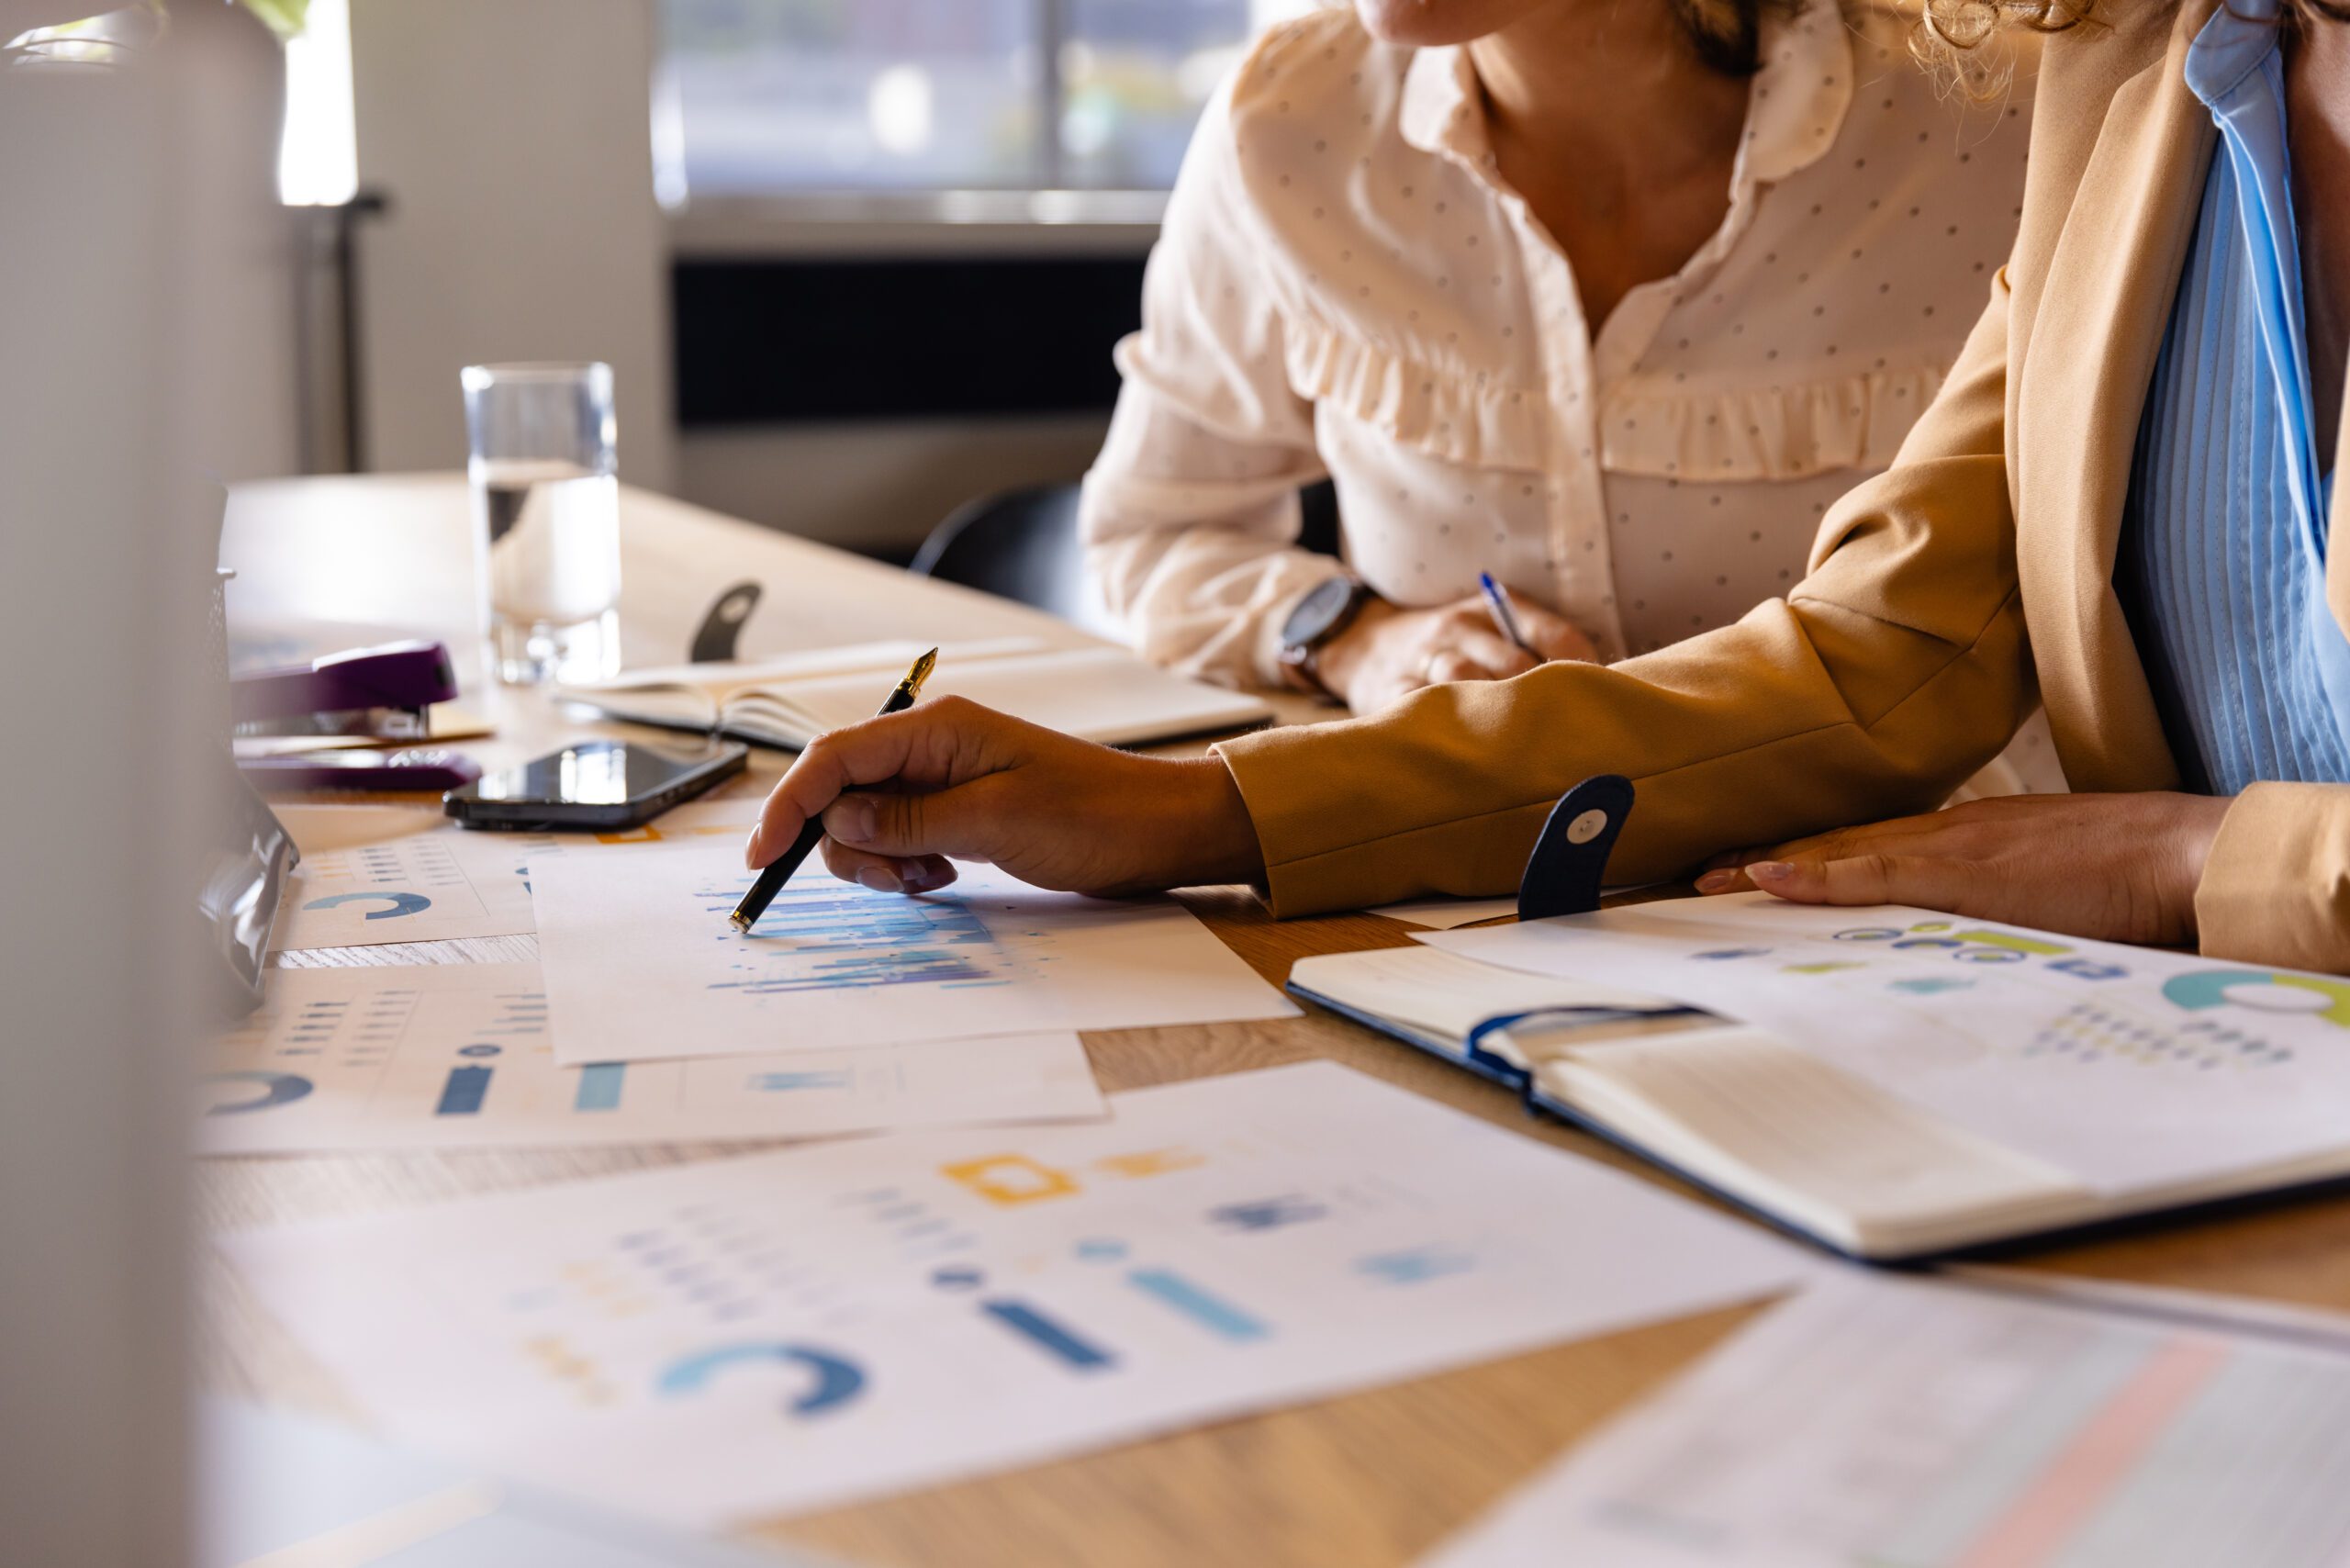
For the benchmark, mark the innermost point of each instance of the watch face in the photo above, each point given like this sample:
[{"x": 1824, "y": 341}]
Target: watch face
[{"x": 1318, "y": 613}]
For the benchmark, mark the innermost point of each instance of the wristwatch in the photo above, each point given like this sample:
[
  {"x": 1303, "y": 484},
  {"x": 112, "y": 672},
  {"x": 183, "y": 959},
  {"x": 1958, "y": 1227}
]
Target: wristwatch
[{"x": 1321, "y": 615}]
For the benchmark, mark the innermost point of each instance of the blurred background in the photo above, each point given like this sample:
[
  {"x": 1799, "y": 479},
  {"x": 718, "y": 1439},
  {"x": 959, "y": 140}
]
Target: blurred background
[{"x": 815, "y": 239}]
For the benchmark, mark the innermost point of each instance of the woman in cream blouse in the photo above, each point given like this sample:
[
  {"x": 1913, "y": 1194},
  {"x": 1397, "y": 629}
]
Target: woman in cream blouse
[{"x": 1547, "y": 292}]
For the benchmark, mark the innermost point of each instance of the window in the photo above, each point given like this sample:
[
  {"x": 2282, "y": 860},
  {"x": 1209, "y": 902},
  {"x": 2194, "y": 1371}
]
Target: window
[{"x": 766, "y": 97}]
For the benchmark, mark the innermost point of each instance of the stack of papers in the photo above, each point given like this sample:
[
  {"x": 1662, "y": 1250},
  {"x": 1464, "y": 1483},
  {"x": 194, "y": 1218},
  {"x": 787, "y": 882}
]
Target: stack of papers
[{"x": 648, "y": 1018}]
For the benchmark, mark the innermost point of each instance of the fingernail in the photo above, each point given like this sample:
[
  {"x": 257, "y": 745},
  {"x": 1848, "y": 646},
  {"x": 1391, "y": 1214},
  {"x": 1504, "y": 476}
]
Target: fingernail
[
  {"x": 850, "y": 821},
  {"x": 880, "y": 878},
  {"x": 1715, "y": 881},
  {"x": 1770, "y": 870},
  {"x": 751, "y": 860}
]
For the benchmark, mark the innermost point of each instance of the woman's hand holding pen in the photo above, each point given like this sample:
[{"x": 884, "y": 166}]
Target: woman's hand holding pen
[
  {"x": 950, "y": 777},
  {"x": 1387, "y": 652}
]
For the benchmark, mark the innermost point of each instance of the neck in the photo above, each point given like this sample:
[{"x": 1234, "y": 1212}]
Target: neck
[
  {"x": 1613, "y": 88},
  {"x": 2317, "y": 108}
]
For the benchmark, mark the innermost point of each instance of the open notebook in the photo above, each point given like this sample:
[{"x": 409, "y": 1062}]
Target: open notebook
[
  {"x": 1767, "y": 1126},
  {"x": 1097, "y": 694}
]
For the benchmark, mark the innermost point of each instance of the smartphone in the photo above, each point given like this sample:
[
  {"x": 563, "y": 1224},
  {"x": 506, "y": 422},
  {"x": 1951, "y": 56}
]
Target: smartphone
[{"x": 595, "y": 784}]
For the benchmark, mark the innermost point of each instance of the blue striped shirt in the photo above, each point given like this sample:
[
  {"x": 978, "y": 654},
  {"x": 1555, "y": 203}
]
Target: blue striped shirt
[{"x": 2222, "y": 563}]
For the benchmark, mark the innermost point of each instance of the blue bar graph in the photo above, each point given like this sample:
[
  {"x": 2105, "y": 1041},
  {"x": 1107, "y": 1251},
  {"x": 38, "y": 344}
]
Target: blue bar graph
[
  {"x": 461, "y": 1094},
  {"x": 1043, "y": 1331},
  {"x": 1210, "y": 1312},
  {"x": 600, "y": 1086}
]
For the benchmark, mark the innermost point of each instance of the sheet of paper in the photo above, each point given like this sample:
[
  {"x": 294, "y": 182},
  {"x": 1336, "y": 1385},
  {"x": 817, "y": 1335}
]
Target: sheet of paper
[
  {"x": 754, "y": 1337},
  {"x": 1446, "y": 914},
  {"x": 456, "y": 1056},
  {"x": 1874, "y": 1421},
  {"x": 641, "y": 962},
  {"x": 374, "y": 875},
  {"x": 275, "y": 1490},
  {"x": 2126, "y": 1066}
]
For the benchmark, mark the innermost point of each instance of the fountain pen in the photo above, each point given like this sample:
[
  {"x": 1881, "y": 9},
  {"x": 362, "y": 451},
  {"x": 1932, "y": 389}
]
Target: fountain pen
[{"x": 771, "y": 880}]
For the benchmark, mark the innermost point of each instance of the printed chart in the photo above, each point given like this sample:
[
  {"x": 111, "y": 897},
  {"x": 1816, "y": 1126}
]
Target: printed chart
[
  {"x": 457, "y": 1056},
  {"x": 1873, "y": 1424},
  {"x": 641, "y": 962},
  {"x": 750, "y": 1337},
  {"x": 2123, "y": 1066},
  {"x": 376, "y": 875}
]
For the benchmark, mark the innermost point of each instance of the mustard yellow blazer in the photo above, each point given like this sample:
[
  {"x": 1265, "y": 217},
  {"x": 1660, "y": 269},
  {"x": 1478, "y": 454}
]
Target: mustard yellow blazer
[{"x": 1942, "y": 599}]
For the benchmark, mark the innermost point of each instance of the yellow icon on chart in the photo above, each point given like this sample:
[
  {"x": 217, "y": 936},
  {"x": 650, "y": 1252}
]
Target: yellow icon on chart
[
  {"x": 1152, "y": 1162},
  {"x": 1010, "y": 1179}
]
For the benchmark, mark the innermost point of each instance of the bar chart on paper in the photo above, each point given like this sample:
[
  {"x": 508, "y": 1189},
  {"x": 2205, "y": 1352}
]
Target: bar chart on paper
[
  {"x": 458, "y": 1054},
  {"x": 1873, "y": 1424},
  {"x": 641, "y": 962},
  {"x": 744, "y": 1337}
]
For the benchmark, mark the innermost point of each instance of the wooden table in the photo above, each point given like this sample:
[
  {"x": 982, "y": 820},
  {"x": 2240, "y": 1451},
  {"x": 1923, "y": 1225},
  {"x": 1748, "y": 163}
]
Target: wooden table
[{"x": 1374, "y": 1478}]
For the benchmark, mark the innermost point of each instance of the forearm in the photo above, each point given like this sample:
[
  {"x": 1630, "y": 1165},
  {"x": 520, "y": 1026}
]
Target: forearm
[
  {"x": 1743, "y": 736},
  {"x": 1207, "y": 598}
]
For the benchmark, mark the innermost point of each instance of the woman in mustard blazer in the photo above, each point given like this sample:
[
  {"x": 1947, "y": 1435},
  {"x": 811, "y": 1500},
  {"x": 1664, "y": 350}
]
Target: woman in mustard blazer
[{"x": 2120, "y": 505}]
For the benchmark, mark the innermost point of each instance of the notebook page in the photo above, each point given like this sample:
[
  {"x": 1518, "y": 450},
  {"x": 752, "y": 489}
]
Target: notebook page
[
  {"x": 1843, "y": 1158},
  {"x": 690, "y": 694},
  {"x": 1097, "y": 694},
  {"x": 1442, "y": 994}
]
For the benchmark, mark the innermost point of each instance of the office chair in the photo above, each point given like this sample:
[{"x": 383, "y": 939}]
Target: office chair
[{"x": 1022, "y": 546}]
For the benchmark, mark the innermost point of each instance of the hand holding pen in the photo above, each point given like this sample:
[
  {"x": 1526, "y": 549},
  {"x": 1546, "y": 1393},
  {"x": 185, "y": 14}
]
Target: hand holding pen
[
  {"x": 1499, "y": 605},
  {"x": 812, "y": 832}
]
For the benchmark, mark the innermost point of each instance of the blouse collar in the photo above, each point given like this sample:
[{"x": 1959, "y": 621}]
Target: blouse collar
[{"x": 1793, "y": 112}]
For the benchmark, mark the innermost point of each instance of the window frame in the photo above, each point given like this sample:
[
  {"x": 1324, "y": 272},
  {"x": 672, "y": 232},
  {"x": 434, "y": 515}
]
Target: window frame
[{"x": 1051, "y": 216}]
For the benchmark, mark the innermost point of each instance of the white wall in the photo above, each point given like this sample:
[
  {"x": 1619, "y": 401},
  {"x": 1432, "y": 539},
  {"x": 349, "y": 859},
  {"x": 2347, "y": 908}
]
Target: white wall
[{"x": 512, "y": 138}]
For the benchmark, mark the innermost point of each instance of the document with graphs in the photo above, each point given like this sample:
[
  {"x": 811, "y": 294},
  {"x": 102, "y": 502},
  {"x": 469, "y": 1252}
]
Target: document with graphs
[
  {"x": 722, "y": 1343},
  {"x": 643, "y": 964}
]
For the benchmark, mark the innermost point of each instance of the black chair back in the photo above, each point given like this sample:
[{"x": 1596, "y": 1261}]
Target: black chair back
[{"x": 1022, "y": 546}]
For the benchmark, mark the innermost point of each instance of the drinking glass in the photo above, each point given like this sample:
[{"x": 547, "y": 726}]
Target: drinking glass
[{"x": 546, "y": 519}]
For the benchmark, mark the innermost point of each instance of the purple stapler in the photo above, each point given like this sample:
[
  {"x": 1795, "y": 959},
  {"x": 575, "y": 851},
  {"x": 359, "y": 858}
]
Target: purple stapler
[
  {"x": 366, "y": 696},
  {"x": 369, "y": 694}
]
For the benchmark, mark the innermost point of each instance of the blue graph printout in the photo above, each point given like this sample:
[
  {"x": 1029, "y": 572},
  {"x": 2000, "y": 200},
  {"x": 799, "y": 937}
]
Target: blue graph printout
[{"x": 641, "y": 961}]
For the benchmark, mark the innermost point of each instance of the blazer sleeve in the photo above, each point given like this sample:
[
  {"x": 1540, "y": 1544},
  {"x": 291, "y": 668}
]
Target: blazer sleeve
[
  {"x": 1190, "y": 514},
  {"x": 1893, "y": 671},
  {"x": 2276, "y": 888}
]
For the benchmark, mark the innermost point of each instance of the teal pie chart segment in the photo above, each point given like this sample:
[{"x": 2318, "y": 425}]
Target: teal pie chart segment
[
  {"x": 395, "y": 904},
  {"x": 276, "y": 1088},
  {"x": 2262, "y": 990},
  {"x": 836, "y": 1381}
]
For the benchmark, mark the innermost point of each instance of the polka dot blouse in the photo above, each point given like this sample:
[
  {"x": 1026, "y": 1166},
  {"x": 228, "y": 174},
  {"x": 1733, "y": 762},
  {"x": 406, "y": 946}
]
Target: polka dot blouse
[{"x": 1345, "y": 286}]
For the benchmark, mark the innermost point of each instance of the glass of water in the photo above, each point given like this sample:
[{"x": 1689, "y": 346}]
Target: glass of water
[{"x": 546, "y": 519}]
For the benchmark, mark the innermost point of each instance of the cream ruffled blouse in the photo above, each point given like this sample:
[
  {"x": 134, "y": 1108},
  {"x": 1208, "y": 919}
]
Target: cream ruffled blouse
[{"x": 1345, "y": 286}]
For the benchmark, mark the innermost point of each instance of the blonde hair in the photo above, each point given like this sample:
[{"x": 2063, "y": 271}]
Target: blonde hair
[{"x": 1949, "y": 34}]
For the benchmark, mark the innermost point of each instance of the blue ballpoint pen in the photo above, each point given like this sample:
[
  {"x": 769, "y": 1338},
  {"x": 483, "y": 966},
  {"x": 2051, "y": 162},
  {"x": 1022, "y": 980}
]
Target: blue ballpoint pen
[{"x": 1497, "y": 605}]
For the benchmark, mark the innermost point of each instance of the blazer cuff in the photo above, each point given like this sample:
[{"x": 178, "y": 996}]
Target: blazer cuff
[{"x": 2276, "y": 888}]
